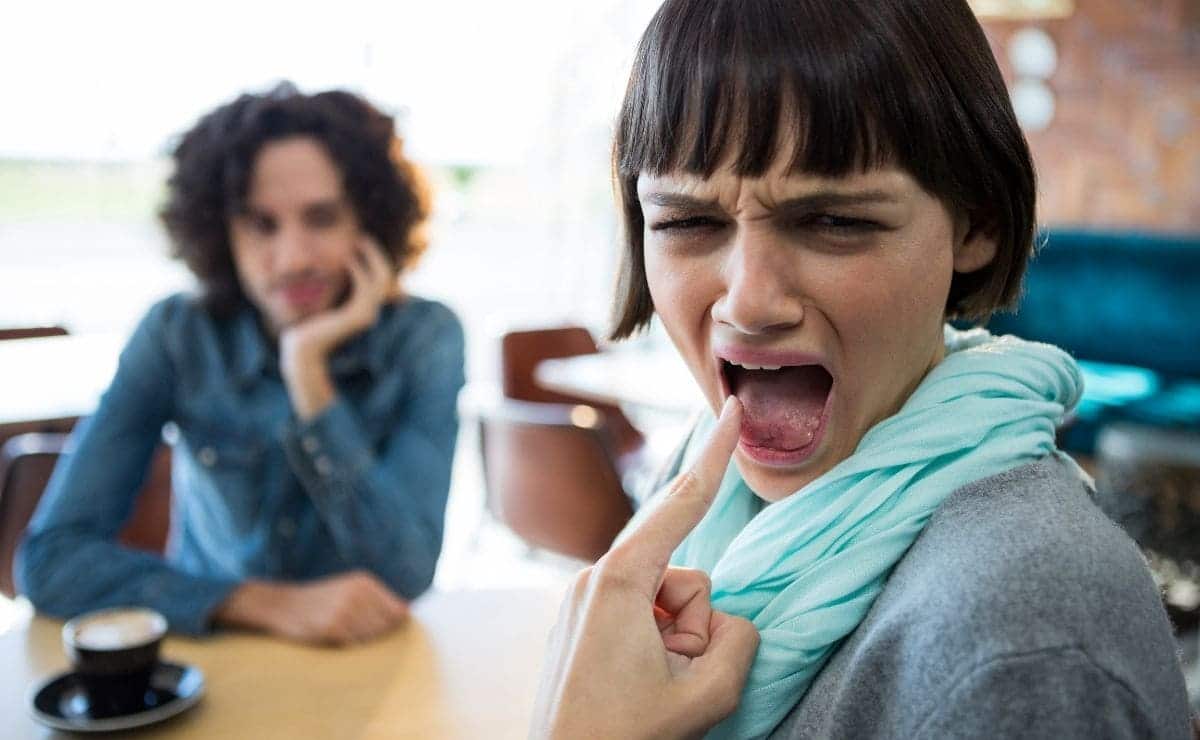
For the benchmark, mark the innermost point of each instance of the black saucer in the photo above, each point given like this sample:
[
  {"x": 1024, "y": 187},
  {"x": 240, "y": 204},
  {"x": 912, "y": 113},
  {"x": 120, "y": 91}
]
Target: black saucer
[{"x": 61, "y": 702}]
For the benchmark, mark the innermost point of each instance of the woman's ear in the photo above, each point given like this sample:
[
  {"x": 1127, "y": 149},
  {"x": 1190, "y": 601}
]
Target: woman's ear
[{"x": 974, "y": 246}]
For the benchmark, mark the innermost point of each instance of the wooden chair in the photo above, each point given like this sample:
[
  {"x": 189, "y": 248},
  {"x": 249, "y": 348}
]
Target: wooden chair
[
  {"x": 550, "y": 475},
  {"x": 26, "y": 463},
  {"x": 521, "y": 351}
]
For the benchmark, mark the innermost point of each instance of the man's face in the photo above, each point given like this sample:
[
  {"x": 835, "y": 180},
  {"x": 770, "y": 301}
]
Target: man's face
[
  {"x": 297, "y": 234},
  {"x": 818, "y": 302}
]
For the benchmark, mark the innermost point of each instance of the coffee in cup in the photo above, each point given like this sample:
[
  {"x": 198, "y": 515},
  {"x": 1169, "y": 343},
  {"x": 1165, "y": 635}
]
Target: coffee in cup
[{"x": 115, "y": 651}]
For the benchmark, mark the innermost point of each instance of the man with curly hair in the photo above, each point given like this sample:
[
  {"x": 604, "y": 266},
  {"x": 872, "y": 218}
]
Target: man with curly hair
[{"x": 314, "y": 402}]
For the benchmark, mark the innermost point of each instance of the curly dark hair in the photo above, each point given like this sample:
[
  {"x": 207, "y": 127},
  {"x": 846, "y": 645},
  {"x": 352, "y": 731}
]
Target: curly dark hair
[{"x": 214, "y": 161}]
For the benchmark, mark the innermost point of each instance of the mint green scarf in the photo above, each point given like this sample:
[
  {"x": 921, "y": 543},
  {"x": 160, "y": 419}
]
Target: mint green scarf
[{"x": 806, "y": 569}]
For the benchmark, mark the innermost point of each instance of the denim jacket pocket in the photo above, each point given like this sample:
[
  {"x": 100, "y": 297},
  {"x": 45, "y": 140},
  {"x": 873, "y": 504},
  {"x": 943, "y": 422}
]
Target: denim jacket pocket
[{"x": 229, "y": 466}]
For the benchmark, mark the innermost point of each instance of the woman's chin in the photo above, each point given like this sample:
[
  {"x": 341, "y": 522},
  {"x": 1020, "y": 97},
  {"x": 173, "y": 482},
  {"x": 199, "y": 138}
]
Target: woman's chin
[{"x": 770, "y": 479}]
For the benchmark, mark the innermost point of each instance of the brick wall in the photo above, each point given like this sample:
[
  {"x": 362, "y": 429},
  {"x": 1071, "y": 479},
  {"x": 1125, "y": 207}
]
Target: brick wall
[{"x": 1124, "y": 146}]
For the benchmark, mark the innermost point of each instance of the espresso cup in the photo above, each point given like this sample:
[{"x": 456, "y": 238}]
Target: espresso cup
[{"x": 114, "y": 651}]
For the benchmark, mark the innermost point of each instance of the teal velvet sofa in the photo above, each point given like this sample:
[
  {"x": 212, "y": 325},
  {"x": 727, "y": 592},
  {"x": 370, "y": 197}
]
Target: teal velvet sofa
[{"x": 1127, "y": 306}]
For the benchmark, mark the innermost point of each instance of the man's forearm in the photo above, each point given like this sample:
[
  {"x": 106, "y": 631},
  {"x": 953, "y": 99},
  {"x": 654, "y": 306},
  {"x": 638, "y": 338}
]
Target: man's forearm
[{"x": 61, "y": 574}]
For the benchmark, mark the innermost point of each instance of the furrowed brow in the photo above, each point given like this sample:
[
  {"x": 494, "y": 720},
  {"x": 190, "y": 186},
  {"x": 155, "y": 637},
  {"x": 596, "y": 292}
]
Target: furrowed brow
[
  {"x": 835, "y": 198},
  {"x": 676, "y": 200},
  {"x": 805, "y": 203}
]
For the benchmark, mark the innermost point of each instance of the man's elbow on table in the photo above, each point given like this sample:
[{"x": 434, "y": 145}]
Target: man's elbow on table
[
  {"x": 42, "y": 574},
  {"x": 411, "y": 574}
]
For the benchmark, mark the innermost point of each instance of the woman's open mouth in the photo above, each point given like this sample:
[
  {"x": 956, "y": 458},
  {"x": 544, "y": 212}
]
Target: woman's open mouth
[{"x": 785, "y": 408}]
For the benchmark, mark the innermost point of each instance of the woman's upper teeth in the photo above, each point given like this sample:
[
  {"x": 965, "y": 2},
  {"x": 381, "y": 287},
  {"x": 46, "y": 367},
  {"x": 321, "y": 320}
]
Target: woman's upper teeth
[{"x": 748, "y": 366}]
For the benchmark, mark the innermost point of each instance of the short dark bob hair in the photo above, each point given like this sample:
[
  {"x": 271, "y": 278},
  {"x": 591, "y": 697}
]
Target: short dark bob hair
[
  {"x": 856, "y": 84},
  {"x": 214, "y": 162}
]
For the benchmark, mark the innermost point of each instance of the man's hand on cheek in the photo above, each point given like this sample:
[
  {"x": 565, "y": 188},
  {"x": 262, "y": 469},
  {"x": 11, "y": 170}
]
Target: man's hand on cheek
[
  {"x": 305, "y": 347},
  {"x": 372, "y": 283}
]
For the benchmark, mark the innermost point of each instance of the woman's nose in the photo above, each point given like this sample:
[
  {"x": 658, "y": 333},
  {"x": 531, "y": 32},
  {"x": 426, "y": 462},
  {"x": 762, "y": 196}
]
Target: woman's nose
[{"x": 761, "y": 295}]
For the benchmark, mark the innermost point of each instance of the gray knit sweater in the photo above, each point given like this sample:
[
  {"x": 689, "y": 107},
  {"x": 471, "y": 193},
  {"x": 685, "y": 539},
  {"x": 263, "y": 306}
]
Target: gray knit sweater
[{"x": 1020, "y": 611}]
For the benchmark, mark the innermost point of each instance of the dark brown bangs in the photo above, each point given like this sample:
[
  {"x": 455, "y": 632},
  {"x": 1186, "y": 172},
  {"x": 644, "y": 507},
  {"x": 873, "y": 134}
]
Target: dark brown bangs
[
  {"x": 729, "y": 82},
  {"x": 843, "y": 86}
]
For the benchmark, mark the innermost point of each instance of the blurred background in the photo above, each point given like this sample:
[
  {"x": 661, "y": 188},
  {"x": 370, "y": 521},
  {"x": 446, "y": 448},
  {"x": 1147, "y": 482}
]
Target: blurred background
[
  {"x": 510, "y": 107},
  {"x": 507, "y": 105}
]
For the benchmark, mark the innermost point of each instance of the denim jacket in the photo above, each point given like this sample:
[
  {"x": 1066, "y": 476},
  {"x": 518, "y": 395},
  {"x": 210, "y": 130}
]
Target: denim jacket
[{"x": 255, "y": 492}]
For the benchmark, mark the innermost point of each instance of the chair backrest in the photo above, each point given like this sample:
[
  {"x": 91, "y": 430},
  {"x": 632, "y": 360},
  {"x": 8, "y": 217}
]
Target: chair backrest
[
  {"x": 32, "y": 332},
  {"x": 26, "y": 463},
  {"x": 149, "y": 525},
  {"x": 521, "y": 351},
  {"x": 550, "y": 476}
]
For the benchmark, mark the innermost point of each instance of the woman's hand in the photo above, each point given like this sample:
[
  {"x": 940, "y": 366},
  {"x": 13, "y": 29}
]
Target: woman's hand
[
  {"x": 304, "y": 348},
  {"x": 638, "y": 650}
]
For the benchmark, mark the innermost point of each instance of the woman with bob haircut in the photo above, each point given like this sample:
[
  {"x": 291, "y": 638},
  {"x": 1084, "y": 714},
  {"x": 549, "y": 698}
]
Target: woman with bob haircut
[{"x": 873, "y": 534}]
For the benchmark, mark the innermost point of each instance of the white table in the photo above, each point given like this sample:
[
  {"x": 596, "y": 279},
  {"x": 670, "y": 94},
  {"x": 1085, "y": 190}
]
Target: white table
[
  {"x": 55, "y": 377},
  {"x": 656, "y": 379}
]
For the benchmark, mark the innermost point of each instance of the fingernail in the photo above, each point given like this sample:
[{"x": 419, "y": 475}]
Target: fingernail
[{"x": 731, "y": 403}]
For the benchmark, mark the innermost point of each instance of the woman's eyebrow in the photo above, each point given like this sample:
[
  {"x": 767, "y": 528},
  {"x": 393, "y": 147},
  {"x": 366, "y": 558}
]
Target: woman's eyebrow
[
  {"x": 811, "y": 201},
  {"x": 678, "y": 200},
  {"x": 834, "y": 198}
]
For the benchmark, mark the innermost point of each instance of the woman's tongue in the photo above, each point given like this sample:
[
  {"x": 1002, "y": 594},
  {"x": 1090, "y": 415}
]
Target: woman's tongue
[{"x": 782, "y": 408}]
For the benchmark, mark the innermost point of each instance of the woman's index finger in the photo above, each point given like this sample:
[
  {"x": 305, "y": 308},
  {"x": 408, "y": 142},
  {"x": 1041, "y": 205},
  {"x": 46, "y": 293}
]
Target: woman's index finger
[{"x": 644, "y": 553}]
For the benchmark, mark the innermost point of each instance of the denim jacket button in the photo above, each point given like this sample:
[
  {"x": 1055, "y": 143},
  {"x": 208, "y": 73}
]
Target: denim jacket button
[
  {"x": 310, "y": 444},
  {"x": 207, "y": 456},
  {"x": 324, "y": 465}
]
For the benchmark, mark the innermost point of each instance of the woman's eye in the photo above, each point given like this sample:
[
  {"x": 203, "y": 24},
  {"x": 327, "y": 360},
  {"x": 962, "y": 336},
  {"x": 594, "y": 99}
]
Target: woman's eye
[
  {"x": 686, "y": 224},
  {"x": 848, "y": 224}
]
